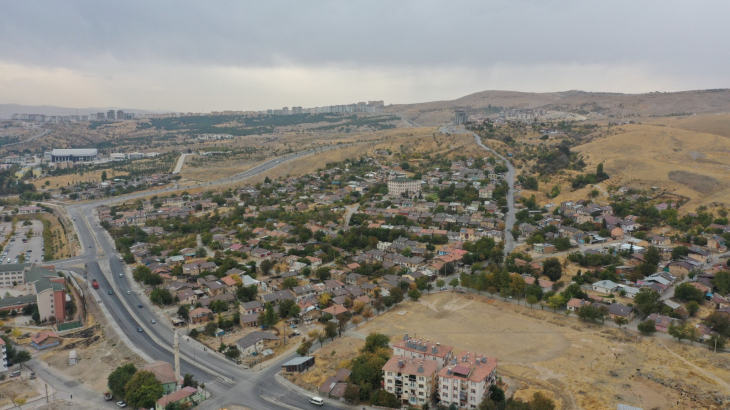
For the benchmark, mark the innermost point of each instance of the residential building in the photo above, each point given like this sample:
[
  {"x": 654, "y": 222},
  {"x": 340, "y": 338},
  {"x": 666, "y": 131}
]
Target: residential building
[
  {"x": 165, "y": 374},
  {"x": 255, "y": 342},
  {"x": 400, "y": 186},
  {"x": 412, "y": 381},
  {"x": 466, "y": 379},
  {"x": 411, "y": 348},
  {"x": 183, "y": 396},
  {"x": 74, "y": 155}
]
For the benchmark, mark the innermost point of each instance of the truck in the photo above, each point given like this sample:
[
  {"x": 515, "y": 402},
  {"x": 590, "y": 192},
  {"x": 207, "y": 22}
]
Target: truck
[{"x": 94, "y": 284}]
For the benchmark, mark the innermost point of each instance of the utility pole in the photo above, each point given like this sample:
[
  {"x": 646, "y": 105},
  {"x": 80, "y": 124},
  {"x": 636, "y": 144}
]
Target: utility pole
[{"x": 46, "y": 393}]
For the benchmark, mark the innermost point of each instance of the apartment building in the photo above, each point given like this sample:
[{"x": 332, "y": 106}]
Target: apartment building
[
  {"x": 4, "y": 359},
  {"x": 419, "y": 349},
  {"x": 466, "y": 380},
  {"x": 412, "y": 381},
  {"x": 400, "y": 186},
  {"x": 12, "y": 274}
]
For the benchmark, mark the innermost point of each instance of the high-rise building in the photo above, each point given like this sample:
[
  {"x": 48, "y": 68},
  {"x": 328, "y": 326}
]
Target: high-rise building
[
  {"x": 460, "y": 117},
  {"x": 120, "y": 114},
  {"x": 110, "y": 115}
]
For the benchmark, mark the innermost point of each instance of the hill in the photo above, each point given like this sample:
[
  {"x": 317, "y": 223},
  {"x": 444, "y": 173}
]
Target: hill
[{"x": 608, "y": 105}]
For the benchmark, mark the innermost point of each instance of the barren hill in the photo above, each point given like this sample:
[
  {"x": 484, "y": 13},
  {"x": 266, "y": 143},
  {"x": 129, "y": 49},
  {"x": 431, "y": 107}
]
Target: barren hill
[{"x": 609, "y": 104}]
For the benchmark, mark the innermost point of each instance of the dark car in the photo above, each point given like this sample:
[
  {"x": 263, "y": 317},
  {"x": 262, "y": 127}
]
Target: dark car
[
  {"x": 139, "y": 329},
  {"x": 139, "y": 306},
  {"x": 111, "y": 292}
]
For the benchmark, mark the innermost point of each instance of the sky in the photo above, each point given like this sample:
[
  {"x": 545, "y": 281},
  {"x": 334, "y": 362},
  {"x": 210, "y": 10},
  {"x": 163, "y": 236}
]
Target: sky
[{"x": 203, "y": 56}]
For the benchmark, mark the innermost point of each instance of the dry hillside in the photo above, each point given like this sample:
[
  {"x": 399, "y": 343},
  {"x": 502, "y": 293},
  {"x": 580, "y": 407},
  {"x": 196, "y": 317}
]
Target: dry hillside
[{"x": 609, "y": 104}]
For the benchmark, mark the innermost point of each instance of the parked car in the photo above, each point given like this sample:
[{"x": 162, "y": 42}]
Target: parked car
[
  {"x": 121, "y": 404},
  {"x": 317, "y": 400},
  {"x": 15, "y": 373}
]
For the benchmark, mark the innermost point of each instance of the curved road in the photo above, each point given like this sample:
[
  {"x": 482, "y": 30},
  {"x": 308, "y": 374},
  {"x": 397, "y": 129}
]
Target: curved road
[{"x": 509, "y": 220}]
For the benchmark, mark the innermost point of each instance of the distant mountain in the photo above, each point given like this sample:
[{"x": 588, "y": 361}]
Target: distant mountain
[
  {"x": 7, "y": 110},
  {"x": 580, "y": 102}
]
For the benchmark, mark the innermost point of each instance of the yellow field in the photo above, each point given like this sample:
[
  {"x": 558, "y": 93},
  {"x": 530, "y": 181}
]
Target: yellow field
[
  {"x": 688, "y": 163},
  {"x": 66, "y": 180}
]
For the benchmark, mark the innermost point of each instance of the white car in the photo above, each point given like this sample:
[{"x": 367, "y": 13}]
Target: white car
[
  {"x": 121, "y": 404},
  {"x": 317, "y": 400}
]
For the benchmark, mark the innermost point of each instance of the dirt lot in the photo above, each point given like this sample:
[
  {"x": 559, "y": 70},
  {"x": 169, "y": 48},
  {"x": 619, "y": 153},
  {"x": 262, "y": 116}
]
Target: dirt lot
[
  {"x": 328, "y": 360},
  {"x": 70, "y": 179},
  {"x": 15, "y": 390},
  {"x": 582, "y": 365}
]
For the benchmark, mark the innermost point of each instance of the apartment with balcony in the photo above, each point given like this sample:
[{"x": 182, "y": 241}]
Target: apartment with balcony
[
  {"x": 420, "y": 349},
  {"x": 4, "y": 360},
  {"x": 412, "y": 381},
  {"x": 465, "y": 380}
]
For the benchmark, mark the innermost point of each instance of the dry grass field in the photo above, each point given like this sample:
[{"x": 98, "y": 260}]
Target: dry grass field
[
  {"x": 66, "y": 180},
  {"x": 582, "y": 365},
  {"x": 689, "y": 163}
]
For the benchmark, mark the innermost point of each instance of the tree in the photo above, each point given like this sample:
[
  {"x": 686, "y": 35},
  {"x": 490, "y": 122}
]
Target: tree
[
  {"x": 266, "y": 266},
  {"x": 161, "y": 297},
  {"x": 716, "y": 342},
  {"x": 383, "y": 398},
  {"x": 414, "y": 294},
  {"x": 717, "y": 321},
  {"x": 352, "y": 394},
  {"x": 686, "y": 292},
  {"x": 189, "y": 380},
  {"x": 682, "y": 331},
  {"x": 440, "y": 283},
  {"x": 722, "y": 281},
  {"x": 210, "y": 328},
  {"x": 288, "y": 308},
  {"x": 647, "y": 327},
  {"x": 118, "y": 378},
  {"x": 552, "y": 268},
  {"x": 142, "y": 390},
  {"x": 555, "y": 302},
  {"x": 304, "y": 348},
  {"x": 103, "y": 176},
  {"x": 496, "y": 394},
  {"x": 323, "y": 273},
  {"x": 652, "y": 256},
  {"x": 540, "y": 401},
  {"x": 588, "y": 312},
  {"x": 268, "y": 317},
  {"x": 692, "y": 307},
  {"x": 647, "y": 301},
  {"x": 289, "y": 283},
  {"x": 531, "y": 300},
  {"x": 201, "y": 252},
  {"x": 184, "y": 312},
  {"x": 247, "y": 293},
  {"x": 620, "y": 321},
  {"x": 330, "y": 329},
  {"x": 342, "y": 321},
  {"x": 375, "y": 341},
  {"x": 21, "y": 356},
  {"x": 454, "y": 282}
]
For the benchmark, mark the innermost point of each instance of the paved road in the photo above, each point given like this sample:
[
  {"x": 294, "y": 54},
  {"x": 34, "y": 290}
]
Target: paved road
[
  {"x": 229, "y": 383},
  {"x": 180, "y": 163},
  {"x": 33, "y": 138},
  {"x": 509, "y": 221}
]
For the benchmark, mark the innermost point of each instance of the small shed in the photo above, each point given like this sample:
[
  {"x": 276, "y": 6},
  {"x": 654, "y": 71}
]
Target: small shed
[
  {"x": 72, "y": 358},
  {"x": 298, "y": 364}
]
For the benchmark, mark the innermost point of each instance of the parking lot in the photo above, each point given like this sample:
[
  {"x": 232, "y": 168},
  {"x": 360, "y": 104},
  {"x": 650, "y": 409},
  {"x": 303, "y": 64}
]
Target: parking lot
[{"x": 32, "y": 248}]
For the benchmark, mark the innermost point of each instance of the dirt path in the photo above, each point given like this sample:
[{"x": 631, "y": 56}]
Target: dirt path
[{"x": 697, "y": 368}]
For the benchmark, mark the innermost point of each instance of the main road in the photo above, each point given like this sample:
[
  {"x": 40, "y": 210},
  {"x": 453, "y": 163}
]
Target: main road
[
  {"x": 229, "y": 383},
  {"x": 509, "y": 220}
]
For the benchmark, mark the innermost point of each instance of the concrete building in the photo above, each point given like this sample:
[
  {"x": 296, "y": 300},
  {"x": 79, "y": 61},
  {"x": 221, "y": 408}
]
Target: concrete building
[
  {"x": 110, "y": 115},
  {"x": 165, "y": 374},
  {"x": 4, "y": 357},
  {"x": 118, "y": 156},
  {"x": 460, "y": 117},
  {"x": 412, "y": 381},
  {"x": 399, "y": 186},
  {"x": 74, "y": 155},
  {"x": 466, "y": 380},
  {"x": 411, "y": 348}
]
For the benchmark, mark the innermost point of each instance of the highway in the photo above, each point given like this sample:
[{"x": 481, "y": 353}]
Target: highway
[
  {"x": 228, "y": 383},
  {"x": 509, "y": 221}
]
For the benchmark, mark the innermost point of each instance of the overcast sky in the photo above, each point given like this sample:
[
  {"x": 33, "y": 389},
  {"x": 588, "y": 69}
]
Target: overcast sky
[{"x": 214, "y": 55}]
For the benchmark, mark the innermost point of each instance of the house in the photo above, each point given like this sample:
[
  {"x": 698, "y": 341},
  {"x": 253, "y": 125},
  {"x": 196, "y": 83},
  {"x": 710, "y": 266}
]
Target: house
[
  {"x": 335, "y": 310},
  {"x": 330, "y": 386},
  {"x": 698, "y": 255},
  {"x": 412, "y": 381},
  {"x": 183, "y": 396},
  {"x": 604, "y": 286},
  {"x": 411, "y": 348},
  {"x": 250, "y": 308},
  {"x": 45, "y": 339},
  {"x": 164, "y": 374},
  {"x": 662, "y": 322},
  {"x": 200, "y": 315},
  {"x": 618, "y": 310},
  {"x": 543, "y": 248},
  {"x": 574, "y": 304},
  {"x": 255, "y": 342}
]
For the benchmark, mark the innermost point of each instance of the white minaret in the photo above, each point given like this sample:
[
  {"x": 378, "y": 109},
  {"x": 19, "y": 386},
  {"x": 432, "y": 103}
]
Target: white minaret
[{"x": 176, "y": 347}]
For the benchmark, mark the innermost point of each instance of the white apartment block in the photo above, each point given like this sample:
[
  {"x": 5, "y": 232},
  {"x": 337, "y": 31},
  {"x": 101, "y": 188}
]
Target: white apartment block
[
  {"x": 466, "y": 379},
  {"x": 413, "y": 382},
  {"x": 4, "y": 360},
  {"x": 400, "y": 186}
]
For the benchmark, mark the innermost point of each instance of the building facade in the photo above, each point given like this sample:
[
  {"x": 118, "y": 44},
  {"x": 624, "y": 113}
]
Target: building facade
[
  {"x": 412, "y": 381},
  {"x": 400, "y": 186},
  {"x": 74, "y": 155},
  {"x": 466, "y": 380}
]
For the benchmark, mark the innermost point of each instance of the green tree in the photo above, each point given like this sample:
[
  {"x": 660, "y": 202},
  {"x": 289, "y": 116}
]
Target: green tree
[
  {"x": 414, "y": 294},
  {"x": 288, "y": 308},
  {"x": 268, "y": 317},
  {"x": 142, "y": 390},
  {"x": 722, "y": 281},
  {"x": 652, "y": 256},
  {"x": 330, "y": 329},
  {"x": 716, "y": 342},
  {"x": 692, "y": 307},
  {"x": 686, "y": 292},
  {"x": 495, "y": 393},
  {"x": 266, "y": 266},
  {"x": 531, "y": 300},
  {"x": 555, "y": 302},
  {"x": 620, "y": 321},
  {"x": 540, "y": 401},
  {"x": 440, "y": 283},
  {"x": 304, "y": 348},
  {"x": 647, "y": 327},
  {"x": 454, "y": 282},
  {"x": 552, "y": 268},
  {"x": 184, "y": 312},
  {"x": 161, "y": 297},
  {"x": 375, "y": 341},
  {"x": 119, "y": 377},
  {"x": 189, "y": 380},
  {"x": 103, "y": 176},
  {"x": 647, "y": 301},
  {"x": 289, "y": 283}
]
